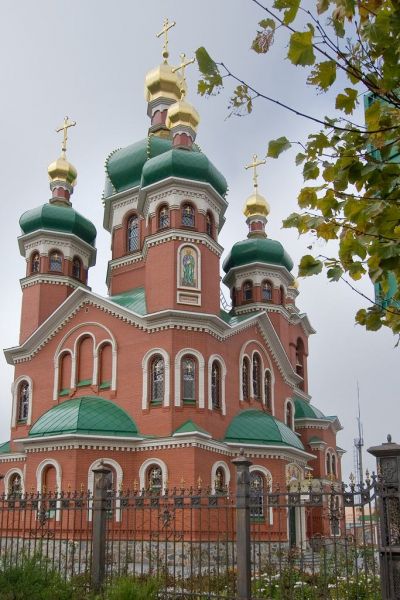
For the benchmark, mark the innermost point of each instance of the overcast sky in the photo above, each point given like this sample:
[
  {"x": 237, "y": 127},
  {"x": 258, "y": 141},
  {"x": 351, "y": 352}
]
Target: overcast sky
[{"x": 88, "y": 59}]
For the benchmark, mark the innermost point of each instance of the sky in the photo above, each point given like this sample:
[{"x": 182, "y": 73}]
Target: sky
[{"x": 88, "y": 60}]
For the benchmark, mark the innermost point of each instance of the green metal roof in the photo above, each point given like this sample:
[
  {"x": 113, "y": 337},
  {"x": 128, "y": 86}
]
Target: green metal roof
[
  {"x": 236, "y": 319},
  {"x": 134, "y": 300},
  {"x": 257, "y": 427},
  {"x": 305, "y": 410},
  {"x": 58, "y": 218},
  {"x": 190, "y": 427},
  {"x": 88, "y": 415},
  {"x": 5, "y": 448},
  {"x": 257, "y": 250},
  {"x": 188, "y": 164},
  {"x": 315, "y": 440}
]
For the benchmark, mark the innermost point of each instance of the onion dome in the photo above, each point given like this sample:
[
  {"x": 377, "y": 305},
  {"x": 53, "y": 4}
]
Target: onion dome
[
  {"x": 162, "y": 82},
  {"x": 87, "y": 415},
  {"x": 257, "y": 250},
  {"x": 62, "y": 170},
  {"x": 182, "y": 118},
  {"x": 256, "y": 205},
  {"x": 60, "y": 218},
  {"x": 257, "y": 427}
]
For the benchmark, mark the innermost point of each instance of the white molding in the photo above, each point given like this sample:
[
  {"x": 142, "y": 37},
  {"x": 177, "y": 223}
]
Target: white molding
[
  {"x": 145, "y": 465},
  {"x": 7, "y": 476},
  {"x": 267, "y": 475},
  {"x": 222, "y": 364},
  {"x": 104, "y": 462},
  {"x": 44, "y": 240},
  {"x": 14, "y": 392},
  {"x": 220, "y": 464},
  {"x": 200, "y": 382},
  {"x": 145, "y": 371}
]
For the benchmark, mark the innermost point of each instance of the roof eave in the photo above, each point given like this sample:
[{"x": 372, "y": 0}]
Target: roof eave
[{"x": 272, "y": 447}]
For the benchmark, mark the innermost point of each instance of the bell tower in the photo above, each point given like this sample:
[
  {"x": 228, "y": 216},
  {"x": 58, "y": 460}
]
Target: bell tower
[{"x": 57, "y": 243}]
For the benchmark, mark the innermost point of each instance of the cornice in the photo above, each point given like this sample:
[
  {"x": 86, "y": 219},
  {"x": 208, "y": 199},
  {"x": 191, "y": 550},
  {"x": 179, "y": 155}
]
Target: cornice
[
  {"x": 17, "y": 456},
  {"x": 31, "y": 241},
  {"x": 267, "y": 269},
  {"x": 31, "y": 280}
]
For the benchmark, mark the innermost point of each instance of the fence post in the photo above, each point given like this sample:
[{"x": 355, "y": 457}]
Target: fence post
[
  {"x": 243, "y": 554},
  {"x": 100, "y": 486},
  {"x": 388, "y": 492}
]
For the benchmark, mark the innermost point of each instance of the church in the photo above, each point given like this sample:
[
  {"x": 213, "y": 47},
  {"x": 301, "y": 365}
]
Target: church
[{"x": 157, "y": 381}]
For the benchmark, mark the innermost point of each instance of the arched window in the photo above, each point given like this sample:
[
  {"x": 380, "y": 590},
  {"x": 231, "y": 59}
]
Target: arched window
[
  {"x": 209, "y": 225},
  {"x": 76, "y": 268},
  {"x": 216, "y": 385},
  {"x": 188, "y": 215},
  {"x": 105, "y": 366},
  {"x": 220, "y": 481},
  {"x": 266, "y": 291},
  {"x": 246, "y": 378},
  {"x": 289, "y": 415},
  {"x": 133, "y": 233},
  {"x": 334, "y": 470},
  {"x": 23, "y": 401},
  {"x": 35, "y": 263},
  {"x": 157, "y": 380},
  {"x": 300, "y": 360},
  {"x": 15, "y": 486},
  {"x": 328, "y": 463},
  {"x": 256, "y": 376},
  {"x": 256, "y": 494},
  {"x": 56, "y": 262},
  {"x": 85, "y": 361},
  {"x": 268, "y": 390},
  {"x": 65, "y": 374},
  {"x": 188, "y": 379},
  {"x": 247, "y": 291},
  {"x": 282, "y": 295},
  {"x": 163, "y": 217},
  {"x": 154, "y": 480}
]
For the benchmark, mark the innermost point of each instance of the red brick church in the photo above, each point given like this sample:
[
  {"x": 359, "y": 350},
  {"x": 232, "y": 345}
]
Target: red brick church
[{"x": 155, "y": 379}]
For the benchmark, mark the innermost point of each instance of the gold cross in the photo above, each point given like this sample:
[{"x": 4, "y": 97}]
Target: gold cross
[
  {"x": 66, "y": 125},
  {"x": 164, "y": 31},
  {"x": 182, "y": 68},
  {"x": 256, "y": 163}
]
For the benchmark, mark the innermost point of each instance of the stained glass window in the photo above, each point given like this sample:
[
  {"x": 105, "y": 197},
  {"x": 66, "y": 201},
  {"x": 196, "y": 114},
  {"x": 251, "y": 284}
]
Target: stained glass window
[
  {"x": 76, "y": 268},
  {"x": 35, "y": 263},
  {"x": 256, "y": 377},
  {"x": 245, "y": 378},
  {"x": 189, "y": 379},
  {"x": 216, "y": 385},
  {"x": 256, "y": 494},
  {"x": 220, "y": 483},
  {"x": 133, "y": 234},
  {"x": 163, "y": 217},
  {"x": 56, "y": 262},
  {"x": 268, "y": 390},
  {"x": 23, "y": 401},
  {"x": 188, "y": 215},
  {"x": 267, "y": 290},
  {"x": 248, "y": 290},
  {"x": 15, "y": 486},
  {"x": 154, "y": 479},
  {"x": 334, "y": 465},
  {"x": 157, "y": 380}
]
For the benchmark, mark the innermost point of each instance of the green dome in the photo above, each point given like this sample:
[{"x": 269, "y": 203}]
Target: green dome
[
  {"x": 188, "y": 164},
  {"x": 124, "y": 166},
  {"x": 58, "y": 218},
  {"x": 257, "y": 250},
  {"x": 257, "y": 427},
  {"x": 305, "y": 410},
  {"x": 88, "y": 415}
]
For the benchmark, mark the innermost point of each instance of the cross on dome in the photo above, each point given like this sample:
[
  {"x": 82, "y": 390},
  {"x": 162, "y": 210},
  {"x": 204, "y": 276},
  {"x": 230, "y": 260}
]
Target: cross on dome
[
  {"x": 256, "y": 163},
  {"x": 64, "y": 128},
  {"x": 181, "y": 68},
  {"x": 167, "y": 25}
]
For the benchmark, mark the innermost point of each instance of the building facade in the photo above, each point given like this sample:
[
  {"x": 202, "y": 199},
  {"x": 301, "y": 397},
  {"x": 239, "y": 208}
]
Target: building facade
[{"x": 155, "y": 380}]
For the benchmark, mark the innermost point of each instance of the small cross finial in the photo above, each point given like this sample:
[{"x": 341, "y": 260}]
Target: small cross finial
[
  {"x": 253, "y": 165},
  {"x": 184, "y": 63},
  {"x": 164, "y": 31},
  {"x": 64, "y": 128}
]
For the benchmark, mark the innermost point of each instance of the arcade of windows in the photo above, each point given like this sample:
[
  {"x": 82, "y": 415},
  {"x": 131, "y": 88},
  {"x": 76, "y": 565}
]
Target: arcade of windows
[
  {"x": 266, "y": 293},
  {"x": 253, "y": 379},
  {"x": 56, "y": 264},
  {"x": 331, "y": 464}
]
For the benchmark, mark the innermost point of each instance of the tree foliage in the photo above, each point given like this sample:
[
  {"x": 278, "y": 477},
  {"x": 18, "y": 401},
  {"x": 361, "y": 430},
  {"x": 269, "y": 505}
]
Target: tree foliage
[{"x": 351, "y": 170}]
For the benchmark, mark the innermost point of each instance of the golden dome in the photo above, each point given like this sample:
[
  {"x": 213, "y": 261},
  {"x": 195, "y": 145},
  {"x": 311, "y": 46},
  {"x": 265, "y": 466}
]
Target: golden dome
[
  {"x": 182, "y": 113},
  {"x": 62, "y": 170},
  {"x": 162, "y": 82},
  {"x": 256, "y": 205}
]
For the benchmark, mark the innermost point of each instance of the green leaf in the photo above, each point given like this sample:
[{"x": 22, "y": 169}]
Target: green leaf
[
  {"x": 276, "y": 147},
  {"x": 310, "y": 170},
  {"x": 212, "y": 81},
  {"x": 300, "y": 158},
  {"x": 322, "y": 6},
  {"x": 335, "y": 273},
  {"x": 307, "y": 197},
  {"x": 347, "y": 102},
  {"x": 267, "y": 23},
  {"x": 301, "y": 51},
  {"x": 323, "y": 75},
  {"x": 291, "y": 6},
  {"x": 309, "y": 266}
]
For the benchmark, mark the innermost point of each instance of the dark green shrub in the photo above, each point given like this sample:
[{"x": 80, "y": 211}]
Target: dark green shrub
[{"x": 126, "y": 588}]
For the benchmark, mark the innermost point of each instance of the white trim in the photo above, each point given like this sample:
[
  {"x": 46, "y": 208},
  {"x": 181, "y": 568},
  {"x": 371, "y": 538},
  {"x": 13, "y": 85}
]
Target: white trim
[
  {"x": 114, "y": 354},
  {"x": 143, "y": 468},
  {"x": 197, "y": 287},
  {"x": 13, "y": 471},
  {"x": 271, "y": 372},
  {"x": 145, "y": 373},
  {"x": 178, "y": 360},
  {"x": 104, "y": 462},
  {"x": 15, "y": 407},
  {"x": 220, "y": 464},
  {"x": 267, "y": 474},
  {"x": 222, "y": 364},
  {"x": 50, "y": 462}
]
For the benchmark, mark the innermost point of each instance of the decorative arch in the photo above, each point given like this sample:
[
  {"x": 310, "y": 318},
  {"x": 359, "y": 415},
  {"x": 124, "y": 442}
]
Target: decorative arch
[
  {"x": 201, "y": 363},
  {"x": 331, "y": 462},
  {"x": 8, "y": 476},
  {"x": 146, "y": 363},
  {"x": 34, "y": 262},
  {"x": 15, "y": 394},
  {"x": 56, "y": 261},
  {"x": 145, "y": 466},
  {"x": 288, "y": 413},
  {"x": 264, "y": 357},
  {"x": 220, "y": 464},
  {"x": 104, "y": 462},
  {"x": 48, "y": 462},
  {"x": 220, "y": 360},
  {"x": 188, "y": 214},
  {"x": 188, "y": 267},
  {"x": 84, "y": 350},
  {"x": 266, "y": 474},
  {"x": 245, "y": 385},
  {"x": 64, "y": 379}
]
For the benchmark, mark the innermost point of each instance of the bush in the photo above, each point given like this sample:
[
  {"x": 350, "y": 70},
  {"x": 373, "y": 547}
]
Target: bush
[{"x": 126, "y": 588}]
